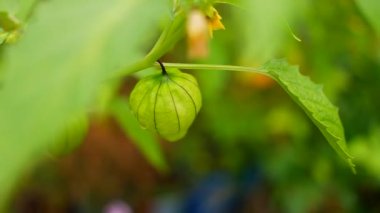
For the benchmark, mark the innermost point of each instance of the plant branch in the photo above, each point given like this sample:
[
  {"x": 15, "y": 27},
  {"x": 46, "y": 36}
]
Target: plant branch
[
  {"x": 214, "y": 67},
  {"x": 170, "y": 35}
]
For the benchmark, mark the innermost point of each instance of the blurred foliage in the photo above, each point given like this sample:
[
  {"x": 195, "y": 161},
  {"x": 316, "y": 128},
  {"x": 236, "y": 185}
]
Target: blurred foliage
[
  {"x": 250, "y": 143},
  {"x": 263, "y": 34},
  {"x": 371, "y": 9},
  {"x": 57, "y": 67},
  {"x": 71, "y": 138},
  {"x": 143, "y": 139}
]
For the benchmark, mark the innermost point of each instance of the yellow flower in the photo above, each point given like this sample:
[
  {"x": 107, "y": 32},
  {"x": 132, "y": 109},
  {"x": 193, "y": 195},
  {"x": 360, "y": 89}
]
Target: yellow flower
[{"x": 214, "y": 21}]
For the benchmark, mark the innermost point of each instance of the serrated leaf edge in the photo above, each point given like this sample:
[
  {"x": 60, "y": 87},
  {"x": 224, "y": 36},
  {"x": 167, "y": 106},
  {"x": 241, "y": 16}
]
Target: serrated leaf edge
[{"x": 338, "y": 143}]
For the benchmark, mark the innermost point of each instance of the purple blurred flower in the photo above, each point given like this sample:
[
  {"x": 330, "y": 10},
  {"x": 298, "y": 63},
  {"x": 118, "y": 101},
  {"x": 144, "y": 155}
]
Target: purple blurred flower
[{"x": 117, "y": 206}]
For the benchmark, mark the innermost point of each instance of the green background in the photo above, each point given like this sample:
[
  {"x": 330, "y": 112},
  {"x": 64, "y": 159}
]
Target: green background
[{"x": 250, "y": 142}]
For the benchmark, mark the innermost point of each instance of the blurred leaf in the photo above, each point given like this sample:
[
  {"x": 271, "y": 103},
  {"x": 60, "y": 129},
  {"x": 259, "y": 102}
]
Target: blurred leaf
[
  {"x": 314, "y": 102},
  {"x": 265, "y": 26},
  {"x": 22, "y": 9},
  {"x": 7, "y": 22},
  {"x": 71, "y": 138},
  {"x": 231, "y": 2},
  {"x": 69, "y": 49},
  {"x": 371, "y": 9},
  {"x": 144, "y": 140},
  {"x": 367, "y": 151}
]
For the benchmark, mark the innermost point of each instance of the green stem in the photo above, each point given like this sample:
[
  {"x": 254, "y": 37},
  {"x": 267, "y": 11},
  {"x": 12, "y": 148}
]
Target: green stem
[
  {"x": 140, "y": 65},
  {"x": 214, "y": 67},
  {"x": 171, "y": 34}
]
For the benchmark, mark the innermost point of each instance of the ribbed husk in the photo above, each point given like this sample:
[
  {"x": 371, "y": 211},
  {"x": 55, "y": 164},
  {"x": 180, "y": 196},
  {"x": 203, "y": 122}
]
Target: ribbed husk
[{"x": 167, "y": 103}]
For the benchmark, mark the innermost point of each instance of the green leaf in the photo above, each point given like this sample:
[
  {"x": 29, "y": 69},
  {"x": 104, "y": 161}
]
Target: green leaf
[
  {"x": 314, "y": 102},
  {"x": 54, "y": 73},
  {"x": 371, "y": 9},
  {"x": 145, "y": 141}
]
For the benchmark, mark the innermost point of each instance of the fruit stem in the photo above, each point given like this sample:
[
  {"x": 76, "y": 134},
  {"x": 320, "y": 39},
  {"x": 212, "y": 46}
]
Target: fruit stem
[
  {"x": 214, "y": 67},
  {"x": 162, "y": 67}
]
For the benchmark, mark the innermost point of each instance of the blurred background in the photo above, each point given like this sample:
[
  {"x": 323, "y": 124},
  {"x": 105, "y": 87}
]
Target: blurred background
[{"x": 251, "y": 149}]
